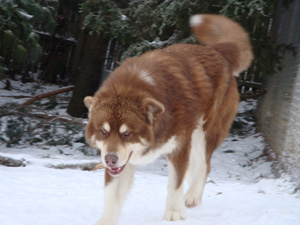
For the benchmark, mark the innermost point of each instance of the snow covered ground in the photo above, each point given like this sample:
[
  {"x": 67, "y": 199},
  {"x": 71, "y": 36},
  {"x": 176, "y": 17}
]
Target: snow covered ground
[
  {"x": 243, "y": 187},
  {"x": 42, "y": 196}
]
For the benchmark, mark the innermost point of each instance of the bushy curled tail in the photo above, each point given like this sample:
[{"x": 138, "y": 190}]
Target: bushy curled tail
[{"x": 226, "y": 36}]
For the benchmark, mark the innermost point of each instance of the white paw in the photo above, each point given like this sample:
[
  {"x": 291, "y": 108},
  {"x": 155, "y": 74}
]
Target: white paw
[
  {"x": 192, "y": 199},
  {"x": 106, "y": 221},
  {"x": 174, "y": 215}
]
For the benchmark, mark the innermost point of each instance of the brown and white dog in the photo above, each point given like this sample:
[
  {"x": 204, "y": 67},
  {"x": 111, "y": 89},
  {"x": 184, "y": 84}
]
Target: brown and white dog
[{"x": 180, "y": 102}]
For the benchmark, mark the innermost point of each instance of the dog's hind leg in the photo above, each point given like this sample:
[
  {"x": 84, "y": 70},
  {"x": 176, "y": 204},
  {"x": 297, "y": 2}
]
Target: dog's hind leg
[
  {"x": 198, "y": 168},
  {"x": 116, "y": 189}
]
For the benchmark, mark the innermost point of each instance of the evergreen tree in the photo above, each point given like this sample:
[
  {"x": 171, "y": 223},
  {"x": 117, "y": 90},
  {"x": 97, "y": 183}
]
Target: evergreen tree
[
  {"x": 19, "y": 19},
  {"x": 145, "y": 25}
]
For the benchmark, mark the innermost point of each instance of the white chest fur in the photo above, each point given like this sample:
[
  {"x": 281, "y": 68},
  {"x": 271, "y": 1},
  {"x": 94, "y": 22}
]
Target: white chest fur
[{"x": 143, "y": 158}]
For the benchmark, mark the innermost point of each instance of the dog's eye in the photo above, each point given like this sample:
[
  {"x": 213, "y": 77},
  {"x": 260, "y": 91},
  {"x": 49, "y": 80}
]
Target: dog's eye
[
  {"x": 127, "y": 134},
  {"x": 104, "y": 132}
]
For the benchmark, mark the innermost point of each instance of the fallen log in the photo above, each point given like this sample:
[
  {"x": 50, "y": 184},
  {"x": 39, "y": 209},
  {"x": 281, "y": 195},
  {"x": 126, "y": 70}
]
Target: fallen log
[{"x": 9, "y": 162}]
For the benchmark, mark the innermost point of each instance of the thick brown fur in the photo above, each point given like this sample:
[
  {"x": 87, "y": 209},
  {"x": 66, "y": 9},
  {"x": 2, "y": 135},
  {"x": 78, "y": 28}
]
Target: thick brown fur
[
  {"x": 164, "y": 93},
  {"x": 228, "y": 37}
]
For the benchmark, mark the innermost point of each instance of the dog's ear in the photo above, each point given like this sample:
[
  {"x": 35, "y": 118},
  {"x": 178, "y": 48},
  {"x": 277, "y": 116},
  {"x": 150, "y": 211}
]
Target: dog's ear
[
  {"x": 152, "y": 108},
  {"x": 88, "y": 101}
]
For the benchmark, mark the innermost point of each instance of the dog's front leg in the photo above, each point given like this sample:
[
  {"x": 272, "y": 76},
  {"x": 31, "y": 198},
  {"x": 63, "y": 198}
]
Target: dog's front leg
[
  {"x": 116, "y": 189},
  {"x": 175, "y": 207}
]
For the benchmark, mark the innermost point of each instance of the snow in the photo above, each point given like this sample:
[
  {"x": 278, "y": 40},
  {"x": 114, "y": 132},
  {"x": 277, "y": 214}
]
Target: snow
[
  {"x": 24, "y": 14},
  {"x": 25, "y": 90},
  {"x": 37, "y": 195},
  {"x": 242, "y": 187}
]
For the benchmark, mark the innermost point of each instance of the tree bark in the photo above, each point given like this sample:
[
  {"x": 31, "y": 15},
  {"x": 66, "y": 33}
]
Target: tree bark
[{"x": 88, "y": 72}]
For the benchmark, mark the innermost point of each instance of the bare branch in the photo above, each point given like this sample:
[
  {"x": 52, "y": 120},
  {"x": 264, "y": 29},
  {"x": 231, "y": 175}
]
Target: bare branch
[{"x": 48, "y": 94}]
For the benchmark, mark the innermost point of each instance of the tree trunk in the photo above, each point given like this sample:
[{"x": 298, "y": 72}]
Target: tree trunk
[{"x": 88, "y": 72}]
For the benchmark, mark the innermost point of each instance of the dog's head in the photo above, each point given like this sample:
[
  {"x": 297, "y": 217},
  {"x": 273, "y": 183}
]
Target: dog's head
[{"x": 121, "y": 128}]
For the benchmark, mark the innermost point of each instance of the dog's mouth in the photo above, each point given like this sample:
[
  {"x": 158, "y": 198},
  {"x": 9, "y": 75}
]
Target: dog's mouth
[{"x": 116, "y": 171}]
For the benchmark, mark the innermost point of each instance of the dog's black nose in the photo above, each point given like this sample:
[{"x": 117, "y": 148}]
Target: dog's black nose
[{"x": 111, "y": 160}]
